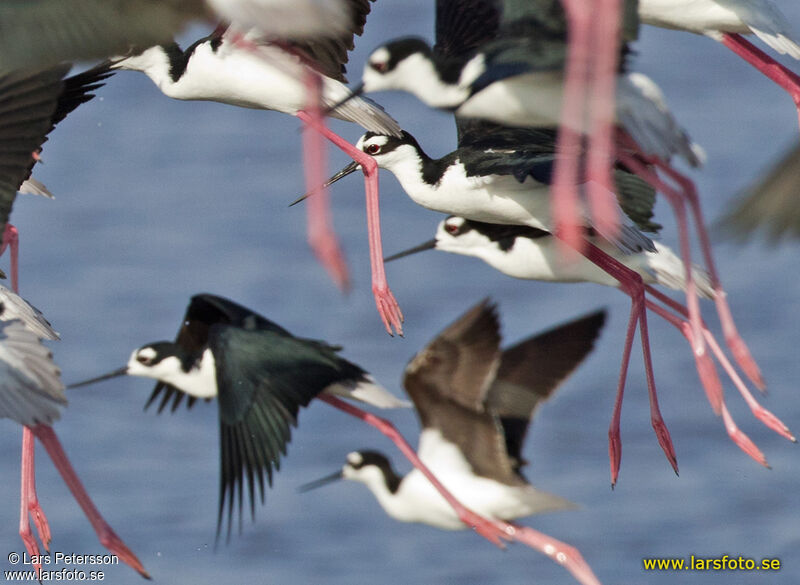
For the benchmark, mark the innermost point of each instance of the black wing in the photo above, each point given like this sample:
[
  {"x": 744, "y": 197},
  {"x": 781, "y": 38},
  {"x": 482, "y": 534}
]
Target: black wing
[
  {"x": 463, "y": 26},
  {"x": 264, "y": 378},
  {"x": 532, "y": 369},
  {"x": 329, "y": 55},
  {"x": 28, "y": 100},
  {"x": 205, "y": 310}
]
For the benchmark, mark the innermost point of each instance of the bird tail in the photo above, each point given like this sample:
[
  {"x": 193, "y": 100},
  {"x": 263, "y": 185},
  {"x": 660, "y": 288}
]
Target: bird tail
[
  {"x": 367, "y": 390},
  {"x": 668, "y": 270}
]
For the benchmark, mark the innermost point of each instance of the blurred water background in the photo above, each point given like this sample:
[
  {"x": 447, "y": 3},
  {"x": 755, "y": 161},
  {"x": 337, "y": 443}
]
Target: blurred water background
[{"x": 159, "y": 199}]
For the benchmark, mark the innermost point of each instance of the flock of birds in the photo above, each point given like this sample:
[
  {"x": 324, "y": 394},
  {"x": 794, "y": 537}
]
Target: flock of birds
[{"x": 545, "y": 184}]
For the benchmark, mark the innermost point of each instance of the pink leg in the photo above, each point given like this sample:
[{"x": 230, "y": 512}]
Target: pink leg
[
  {"x": 785, "y": 78},
  {"x": 738, "y": 437},
  {"x": 732, "y": 338},
  {"x": 388, "y": 309},
  {"x": 761, "y": 413},
  {"x": 603, "y": 78},
  {"x": 631, "y": 284},
  {"x": 11, "y": 239},
  {"x": 29, "y": 503},
  {"x": 321, "y": 236},
  {"x": 107, "y": 536},
  {"x": 565, "y": 555},
  {"x": 564, "y": 188},
  {"x": 493, "y": 531}
]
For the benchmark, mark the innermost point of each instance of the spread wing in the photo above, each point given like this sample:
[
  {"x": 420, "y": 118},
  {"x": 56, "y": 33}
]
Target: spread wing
[
  {"x": 531, "y": 370},
  {"x": 264, "y": 378}
]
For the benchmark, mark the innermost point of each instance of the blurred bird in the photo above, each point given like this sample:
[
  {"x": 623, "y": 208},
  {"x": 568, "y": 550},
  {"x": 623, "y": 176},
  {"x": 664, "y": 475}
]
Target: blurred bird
[
  {"x": 475, "y": 404},
  {"x": 32, "y": 394},
  {"x": 725, "y": 21},
  {"x": 770, "y": 205}
]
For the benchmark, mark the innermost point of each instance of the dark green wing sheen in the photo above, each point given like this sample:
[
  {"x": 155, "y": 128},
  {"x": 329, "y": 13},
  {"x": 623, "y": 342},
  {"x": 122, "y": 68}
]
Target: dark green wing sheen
[{"x": 264, "y": 378}]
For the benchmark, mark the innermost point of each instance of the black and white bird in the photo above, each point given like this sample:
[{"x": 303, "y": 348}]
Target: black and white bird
[
  {"x": 502, "y": 175},
  {"x": 261, "y": 376},
  {"x": 532, "y": 254},
  {"x": 475, "y": 403},
  {"x": 726, "y": 21},
  {"x": 253, "y": 71}
]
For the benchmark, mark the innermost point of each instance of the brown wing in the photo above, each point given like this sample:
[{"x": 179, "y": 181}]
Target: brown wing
[
  {"x": 531, "y": 370},
  {"x": 459, "y": 364},
  {"x": 448, "y": 381}
]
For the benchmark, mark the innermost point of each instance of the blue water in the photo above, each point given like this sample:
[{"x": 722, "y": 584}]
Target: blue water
[{"x": 158, "y": 200}]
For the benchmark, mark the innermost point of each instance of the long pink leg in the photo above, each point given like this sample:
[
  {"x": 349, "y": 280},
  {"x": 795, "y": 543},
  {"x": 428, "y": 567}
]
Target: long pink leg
[
  {"x": 732, "y": 338},
  {"x": 321, "y": 236},
  {"x": 742, "y": 440},
  {"x": 565, "y": 555},
  {"x": 631, "y": 284},
  {"x": 705, "y": 368},
  {"x": 491, "y": 530},
  {"x": 29, "y": 501},
  {"x": 107, "y": 536},
  {"x": 569, "y": 145},
  {"x": 761, "y": 413},
  {"x": 785, "y": 78},
  {"x": 388, "y": 309},
  {"x": 602, "y": 90}
]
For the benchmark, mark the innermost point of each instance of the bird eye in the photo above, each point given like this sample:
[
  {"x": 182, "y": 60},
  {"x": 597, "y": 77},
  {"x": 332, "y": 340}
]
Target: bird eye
[
  {"x": 373, "y": 149},
  {"x": 379, "y": 66},
  {"x": 451, "y": 229},
  {"x": 143, "y": 360}
]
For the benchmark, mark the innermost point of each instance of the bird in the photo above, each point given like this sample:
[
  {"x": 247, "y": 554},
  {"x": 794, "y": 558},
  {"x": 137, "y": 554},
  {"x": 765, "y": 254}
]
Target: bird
[
  {"x": 502, "y": 175},
  {"x": 475, "y": 404},
  {"x": 529, "y": 253},
  {"x": 32, "y": 394},
  {"x": 769, "y": 206},
  {"x": 48, "y": 32},
  {"x": 251, "y": 71},
  {"x": 726, "y": 21},
  {"x": 260, "y": 374},
  {"x": 518, "y": 78}
]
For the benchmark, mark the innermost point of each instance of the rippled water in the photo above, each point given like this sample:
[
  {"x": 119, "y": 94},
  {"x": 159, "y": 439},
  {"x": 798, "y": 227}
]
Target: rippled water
[{"x": 158, "y": 200}]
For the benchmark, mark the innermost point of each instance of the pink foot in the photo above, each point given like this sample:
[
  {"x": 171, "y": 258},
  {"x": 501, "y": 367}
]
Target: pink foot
[
  {"x": 105, "y": 534},
  {"x": 565, "y": 555},
  {"x": 388, "y": 309},
  {"x": 742, "y": 440}
]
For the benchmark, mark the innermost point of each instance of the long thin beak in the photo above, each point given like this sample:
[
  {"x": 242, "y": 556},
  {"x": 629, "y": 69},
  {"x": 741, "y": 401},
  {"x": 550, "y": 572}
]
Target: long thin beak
[
  {"x": 351, "y": 168},
  {"x": 114, "y": 374},
  {"x": 429, "y": 245},
  {"x": 312, "y": 485},
  {"x": 355, "y": 93}
]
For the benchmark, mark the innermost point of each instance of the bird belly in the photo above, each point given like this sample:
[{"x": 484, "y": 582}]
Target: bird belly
[
  {"x": 495, "y": 199},
  {"x": 697, "y": 16},
  {"x": 531, "y": 99},
  {"x": 271, "y": 82}
]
